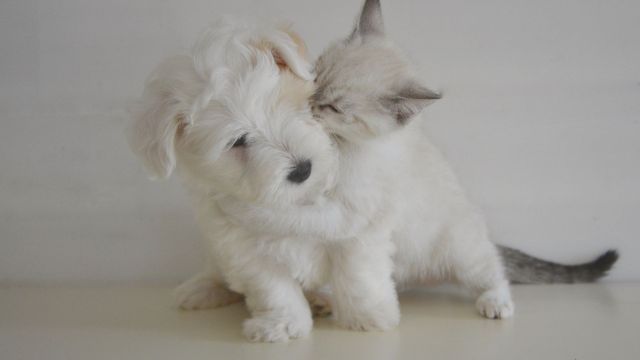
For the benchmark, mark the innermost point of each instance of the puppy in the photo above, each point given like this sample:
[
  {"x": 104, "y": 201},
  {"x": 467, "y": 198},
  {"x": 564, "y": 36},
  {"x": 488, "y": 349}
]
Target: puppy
[{"x": 233, "y": 118}]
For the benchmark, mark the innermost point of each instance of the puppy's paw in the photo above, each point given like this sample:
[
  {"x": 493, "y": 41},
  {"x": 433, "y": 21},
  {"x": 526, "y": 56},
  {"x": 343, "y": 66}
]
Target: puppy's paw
[
  {"x": 201, "y": 292},
  {"x": 495, "y": 304},
  {"x": 276, "y": 328},
  {"x": 380, "y": 318},
  {"x": 319, "y": 303}
]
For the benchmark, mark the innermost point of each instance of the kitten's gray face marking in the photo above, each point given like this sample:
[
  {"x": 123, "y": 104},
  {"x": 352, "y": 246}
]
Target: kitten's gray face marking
[{"x": 365, "y": 87}]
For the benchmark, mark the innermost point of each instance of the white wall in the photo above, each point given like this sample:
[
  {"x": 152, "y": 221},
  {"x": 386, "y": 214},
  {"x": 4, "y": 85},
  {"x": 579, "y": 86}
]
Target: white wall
[{"x": 541, "y": 119}]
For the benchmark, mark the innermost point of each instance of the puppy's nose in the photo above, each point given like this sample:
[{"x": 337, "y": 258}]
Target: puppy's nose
[{"x": 301, "y": 172}]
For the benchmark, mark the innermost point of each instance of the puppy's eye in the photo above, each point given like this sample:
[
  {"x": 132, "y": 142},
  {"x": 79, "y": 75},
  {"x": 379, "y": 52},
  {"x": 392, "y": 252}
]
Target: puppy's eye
[
  {"x": 240, "y": 142},
  {"x": 330, "y": 107}
]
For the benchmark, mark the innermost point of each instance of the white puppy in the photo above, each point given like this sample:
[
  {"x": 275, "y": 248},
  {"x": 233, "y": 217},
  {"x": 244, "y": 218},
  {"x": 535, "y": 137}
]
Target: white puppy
[{"x": 234, "y": 118}]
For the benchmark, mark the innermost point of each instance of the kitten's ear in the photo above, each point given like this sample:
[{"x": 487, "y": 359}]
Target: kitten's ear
[
  {"x": 290, "y": 52},
  {"x": 370, "y": 21},
  {"x": 409, "y": 101}
]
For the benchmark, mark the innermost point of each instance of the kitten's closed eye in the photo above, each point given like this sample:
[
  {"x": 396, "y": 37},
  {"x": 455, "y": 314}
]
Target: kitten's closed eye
[{"x": 329, "y": 107}]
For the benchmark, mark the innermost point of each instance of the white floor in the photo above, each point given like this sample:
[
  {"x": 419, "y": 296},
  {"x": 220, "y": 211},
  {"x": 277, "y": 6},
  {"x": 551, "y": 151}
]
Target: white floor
[{"x": 552, "y": 322}]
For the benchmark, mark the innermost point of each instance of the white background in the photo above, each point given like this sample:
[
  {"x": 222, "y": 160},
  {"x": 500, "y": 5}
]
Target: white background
[{"x": 541, "y": 120}]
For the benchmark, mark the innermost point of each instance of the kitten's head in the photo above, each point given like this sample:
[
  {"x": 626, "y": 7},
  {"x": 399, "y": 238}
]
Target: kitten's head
[{"x": 365, "y": 86}]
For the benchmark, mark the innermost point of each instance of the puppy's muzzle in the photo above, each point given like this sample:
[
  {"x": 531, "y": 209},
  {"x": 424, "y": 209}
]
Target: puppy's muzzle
[{"x": 300, "y": 172}]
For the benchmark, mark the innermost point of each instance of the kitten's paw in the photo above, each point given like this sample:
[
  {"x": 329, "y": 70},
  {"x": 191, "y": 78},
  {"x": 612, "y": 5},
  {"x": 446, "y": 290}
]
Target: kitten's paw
[
  {"x": 201, "y": 292},
  {"x": 319, "y": 303},
  {"x": 276, "y": 328},
  {"x": 381, "y": 318},
  {"x": 495, "y": 304}
]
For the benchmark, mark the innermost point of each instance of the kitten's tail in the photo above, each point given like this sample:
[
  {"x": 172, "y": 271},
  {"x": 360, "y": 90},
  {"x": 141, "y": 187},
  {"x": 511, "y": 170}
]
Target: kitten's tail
[{"x": 522, "y": 268}]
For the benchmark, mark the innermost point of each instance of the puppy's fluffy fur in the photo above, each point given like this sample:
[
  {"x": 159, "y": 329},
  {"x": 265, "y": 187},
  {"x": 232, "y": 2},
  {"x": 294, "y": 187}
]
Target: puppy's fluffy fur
[{"x": 249, "y": 83}]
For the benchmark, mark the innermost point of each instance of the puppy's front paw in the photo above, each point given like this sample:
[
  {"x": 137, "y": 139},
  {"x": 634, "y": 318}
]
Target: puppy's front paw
[
  {"x": 495, "y": 304},
  {"x": 276, "y": 328},
  {"x": 380, "y": 318},
  {"x": 203, "y": 292}
]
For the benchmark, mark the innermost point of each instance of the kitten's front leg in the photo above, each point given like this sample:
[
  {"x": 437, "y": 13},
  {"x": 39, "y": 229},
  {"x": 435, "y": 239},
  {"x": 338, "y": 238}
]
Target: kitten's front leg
[
  {"x": 364, "y": 295},
  {"x": 476, "y": 264},
  {"x": 279, "y": 309}
]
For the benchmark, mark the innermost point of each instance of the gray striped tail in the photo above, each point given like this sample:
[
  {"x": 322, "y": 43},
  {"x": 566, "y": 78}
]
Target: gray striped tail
[{"x": 522, "y": 268}]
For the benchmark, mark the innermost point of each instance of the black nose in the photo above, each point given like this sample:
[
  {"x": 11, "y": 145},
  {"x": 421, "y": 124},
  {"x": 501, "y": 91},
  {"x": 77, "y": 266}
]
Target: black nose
[{"x": 301, "y": 172}]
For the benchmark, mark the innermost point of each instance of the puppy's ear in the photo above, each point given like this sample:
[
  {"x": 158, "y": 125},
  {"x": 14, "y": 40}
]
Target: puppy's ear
[
  {"x": 408, "y": 101},
  {"x": 290, "y": 53},
  {"x": 158, "y": 119}
]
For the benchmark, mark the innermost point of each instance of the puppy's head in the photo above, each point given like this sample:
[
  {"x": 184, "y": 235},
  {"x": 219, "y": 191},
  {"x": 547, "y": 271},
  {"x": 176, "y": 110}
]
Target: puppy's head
[{"x": 234, "y": 117}]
